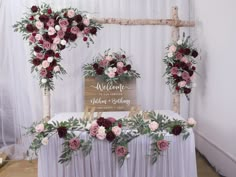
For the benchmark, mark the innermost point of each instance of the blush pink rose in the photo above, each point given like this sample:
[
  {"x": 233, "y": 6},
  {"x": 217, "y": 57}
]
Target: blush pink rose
[
  {"x": 182, "y": 84},
  {"x": 45, "y": 64},
  {"x": 74, "y": 143},
  {"x": 174, "y": 71},
  {"x": 103, "y": 62},
  {"x": 40, "y": 56},
  {"x": 74, "y": 30},
  {"x": 186, "y": 76},
  {"x": 60, "y": 34},
  {"x": 184, "y": 59},
  {"x": 108, "y": 58},
  {"x": 56, "y": 69},
  {"x": 56, "y": 40},
  {"x": 46, "y": 45},
  {"x": 172, "y": 48},
  {"x": 32, "y": 39},
  {"x": 50, "y": 22},
  {"x": 111, "y": 74},
  {"x": 116, "y": 130},
  {"x": 63, "y": 23},
  {"x": 70, "y": 13},
  {"x": 38, "y": 37},
  {"x": 162, "y": 145},
  {"x": 101, "y": 134},
  {"x": 39, "y": 25},
  {"x": 43, "y": 72},
  {"x": 54, "y": 47},
  {"x": 121, "y": 151},
  {"x": 153, "y": 126},
  {"x": 51, "y": 31},
  {"x": 191, "y": 121},
  {"x": 86, "y": 21},
  {"x": 93, "y": 130},
  {"x": 39, "y": 128},
  {"x": 120, "y": 64}
]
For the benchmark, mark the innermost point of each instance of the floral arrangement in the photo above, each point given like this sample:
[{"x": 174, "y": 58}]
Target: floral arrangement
[
  {"x": 180, "y": 63},
  {"x": 111, "y": 67},
  {"x": 112, "y": 130},
  {"x": 48, "y": 33}
]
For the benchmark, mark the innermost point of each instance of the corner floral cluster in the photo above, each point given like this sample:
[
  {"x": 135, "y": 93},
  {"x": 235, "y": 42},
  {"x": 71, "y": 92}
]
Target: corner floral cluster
[
  {"x": 49, "y": 32},
  {"x": 110, "y": 129},
  {"x": 180, "y": 63},
  {"x": 111, "y": 67}
]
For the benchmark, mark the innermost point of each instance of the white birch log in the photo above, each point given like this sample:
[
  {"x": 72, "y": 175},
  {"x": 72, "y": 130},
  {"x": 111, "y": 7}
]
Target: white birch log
[
  {"x": 46, "y": 104},
  {"x": 175, "y": 36}
]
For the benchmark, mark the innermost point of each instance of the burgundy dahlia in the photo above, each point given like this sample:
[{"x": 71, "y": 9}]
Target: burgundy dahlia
[
  {"x": 100, "y": 121},
  {"x": 73, "y": 37},
  {"x": 110, "y": 136},
  {"x": 49, "y": 75},
  {"x": 50, "y": 53},
  {"x": 181, "y": 50},
  {"x": 34, "y": 8},
  {"x": 176, "y": 130},
  {"x": 62, "y": 132},
  {"x": 107, "y": 124}
]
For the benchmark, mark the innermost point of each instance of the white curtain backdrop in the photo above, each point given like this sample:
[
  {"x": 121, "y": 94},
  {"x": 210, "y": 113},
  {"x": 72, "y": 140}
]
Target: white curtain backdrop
[{"x": 20, "y": 95}]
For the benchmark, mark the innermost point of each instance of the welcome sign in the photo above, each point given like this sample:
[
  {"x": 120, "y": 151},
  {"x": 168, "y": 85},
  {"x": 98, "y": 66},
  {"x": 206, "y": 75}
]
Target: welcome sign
[{"x": 109, "y": 96}]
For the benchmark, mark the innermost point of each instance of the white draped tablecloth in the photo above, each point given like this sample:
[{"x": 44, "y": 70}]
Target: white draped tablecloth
[{"x": 178, "y": 161}]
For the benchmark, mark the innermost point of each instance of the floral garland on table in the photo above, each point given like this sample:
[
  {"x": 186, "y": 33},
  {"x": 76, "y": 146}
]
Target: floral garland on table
[
  {"x": 111, "y": 67},
  {"x": 111, "y": 130},
  {"x": 180, "y": 63},
  {"x": 48, "y": 33}
]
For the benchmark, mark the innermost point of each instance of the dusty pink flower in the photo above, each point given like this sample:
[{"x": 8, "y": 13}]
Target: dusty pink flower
[
  {"x": 191, "y": 121},
  {"x": 185, "y": 76},
  {"x": 50, "y": 22},
  {"x": 74, "y": 143},
  {"x": 56, "y": 69},
  {"x": 162, "y": 145},
  {"x": 40, "y": 56},
  {"x": 174, "y": 71},
  {"x": 46, "y": 45},
  {"x": 184, "y": 59},
  {"x": 93, "y": 130},
  {"x": 179, "y": 55},
  {"x": 108, "y": 58},
  {"x": 182, "y": 84},
  {"x": 153, "y": 126},
  {"x": 45, "y": 64},
  {"x": 38, "y": 37},
  {"x": 120, "y": 64},
  {"x": 56, "y": 40},
  {"x": 63, "y": 22},
  {"x": 74, "y": 30},
  {"x": 120, "y": 70},
  {"x": 43, "y": 72},
  {"x": 51, "y": 31},
  {"x": 54, "y": 47},
  {"x": 103, "y": 63},
  {"x": 32, "y": 39},
  {"x": 86, "y": 30},
  {"x": 86, "y": 21},
  {"x": 39, "y": 128},
  {"x": 116, "y": 130},
  {"x": 111, "y": 119},
  {"x": 172, "y": 48},
  {"x": 39, "y": 25},
  {"x": 60, "y": 34},
  {"x": 121, "y": 151},
  {"x": 71, "y": 13},
  {"x": 101, "y": 133},
  {"x": 111, "y": 74}
]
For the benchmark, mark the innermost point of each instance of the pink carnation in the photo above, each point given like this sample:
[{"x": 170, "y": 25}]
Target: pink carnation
[
  {"x": 174, "y": 71},
  {"x": 45, "y": 64},
  {"x": 86, "y": 22},
  {"x": 120, "y": 70},
  {"x": 185, "y": 76},
  {"x": 74, "y": 143},
  {"x": 121, "y": 151},
  {"x": 111, "y": 74},
  {"x": 94, "y": 130},
  {"x": 116, "y": 130},
  {"x": 54, "y": 47},
  {"x": 51, "y": 31},
  {"x": 74, "y": 30},
  {"x": 86, "y": 30},
  {"x": 63, "y": 23},
  {"x": 162, "y": 145},
  {"x": 38, "y": 37},
  {"x": 39, "y": 24},
  {"x": 56, "y": 40}
]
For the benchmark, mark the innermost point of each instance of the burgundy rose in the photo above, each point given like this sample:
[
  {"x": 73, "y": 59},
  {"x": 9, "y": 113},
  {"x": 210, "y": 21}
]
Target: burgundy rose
[
  {"x": 53, "y": 63},
  {"x": 93, "y": 30},
  {"x": 73, "y": 37},
  {"x": 123, "y": 56},
  {"x": 49, "y": 11},
  {"x": 43, "y": 18},
  {"x": 31, "y": 18},
  {"x": 110, "y": 136},
  {"x": 34, "y": 8},
  {"x": 176, "y": 130},
  {"x": 100, "y": 71},
  {"x": 193, "y": 68},
  {"x": 128, "y": 67},
  {"x": 107, "y": 124},
  {"x": 74, "y": 143},
  {"x": 187, "y": 51},
  {"x": 37, "y": 49},
  {"x": 100, "y": 121},
  {"x": 50, "y": 53},
  {"x": 181, "y": 50},
  {"x": 177, "y": 88},
  {"x": 61, "y": 47},
  {"x": 57, "y": 55},
  {"x": 187, "y": 90},
  {"x": 49, "y": 75},
  {"x": 36, "y": 62},
  {"x": 78, "y": 18},
  {"x": 190, "y": 72},
  {"x": 194, "y": 53},
  {"x": 50, "y": 68},
  {"x": 62, "y": 132},
  {"x": 111, "y": 119},
  {"x": 81, "y": 26},
  {"x": 46, "y": 37},
  {"x": 113, "y": 63},
  {"x": 95, "y": 66},
  {"x": 162, "y": 145},
  {"x": 30, "y": 28},
  {"x": 67, "y": 36},
  {"x": 121, "y": 151}
]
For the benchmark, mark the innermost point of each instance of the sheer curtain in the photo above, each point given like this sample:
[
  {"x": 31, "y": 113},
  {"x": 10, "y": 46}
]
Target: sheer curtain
[{"x": 20, "y": 95}]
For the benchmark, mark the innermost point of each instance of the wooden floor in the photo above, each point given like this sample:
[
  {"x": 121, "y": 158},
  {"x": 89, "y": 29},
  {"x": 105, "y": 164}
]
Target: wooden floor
[{"x": 29, "y": 169}]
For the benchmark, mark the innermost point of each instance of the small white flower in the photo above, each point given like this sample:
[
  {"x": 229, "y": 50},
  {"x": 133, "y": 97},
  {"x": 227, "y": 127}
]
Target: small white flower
[
  {"x": 36, "y": 17},
  {"x": 110, "y": 69},
  {"x": 50, "y": 59},
  {"x": 63, "y": 42},
  {"x": 57, "y": 27},
  {"x": 170, "y": 54},
  {"x": 88, "y": 126},
  {"x": 45, "y": 141},
  {"x": 114, "y": 69},
  {"x": 179, "y": 74},
  {"x": 179, "y": 42},
  {"x": 44, "y": 81},
  {"x": 127, "y": 156}
]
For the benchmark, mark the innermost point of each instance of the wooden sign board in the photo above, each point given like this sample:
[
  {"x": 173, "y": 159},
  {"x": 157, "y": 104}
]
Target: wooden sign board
[{"x": 109, "y": 97}]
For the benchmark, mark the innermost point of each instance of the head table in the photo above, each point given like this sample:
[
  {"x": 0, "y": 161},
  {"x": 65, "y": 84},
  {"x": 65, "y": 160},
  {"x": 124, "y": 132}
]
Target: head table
[{"x": 178, "y": 161}]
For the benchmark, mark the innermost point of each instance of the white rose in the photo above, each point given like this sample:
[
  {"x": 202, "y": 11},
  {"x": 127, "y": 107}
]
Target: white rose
[
  {"x": 153, "y": 126},
  {"x": 114, "y": 69},
  {"x": 44, "y": 81},
  {"x": 44, "y": 141},
  {"x": 50, "y": 59},
  {"x": 110, "y": 69},
  {"x": 39, "y": 128},
  {"x": 182, "y": 84},
  {"x": 191, "y": 121},
  {"x": 170, "y": 54},
  {"x": 179, "y": 42},
  {"x": 116, "y": 130},
  {"x": 39, "y": 25},
  {"x": 57, "y": 27},
  {"x": 63, "y": 42},
  {"x": 56, "y": 69}
]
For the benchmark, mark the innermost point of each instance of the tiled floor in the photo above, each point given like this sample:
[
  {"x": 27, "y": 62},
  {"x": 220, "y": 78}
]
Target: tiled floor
[{"x": 27, "y": 169}]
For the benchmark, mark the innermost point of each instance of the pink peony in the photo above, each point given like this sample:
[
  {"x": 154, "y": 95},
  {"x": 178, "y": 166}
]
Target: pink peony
[
  {"x": 174, "y": 71},
  {"x": 103, "y": 63},
  {"x": 40, "y": 56},
  {"x": 185, "y": 76},
  {"x": 120, "y": 64},
  {"x": 32, "y": 39},
  {"x": 93, "y": 130},
  {"x": 121, "y": 151},
  {"x": 74, "y": 30},
  {"x": 43, "y": 72},
  {"x": 63, "y": 23},
  {"x": 46, "y": 45},
  {"x": 116, "y": 130},
  {"x": 45, "y": 64},
  {"x": 50, "y": 22},
  {"x": 51, "y": 31},
  {"x": 71, "y": 13},
  {"x": 60, "y": 34},
  {"x": 184, "y": 59},
  {"x": 111, "y": 74},
  {"x": 74, "y": 143},
  {"x": 153, "y": 126},
  {"x": 162, "y": 145},
  {"x": 39, "y": 25},
  {"x": 86, "y": 22},
  {"x": 38, "y": 37},
  {"x": 179, "y": 55},
  {"x": 182, "y": 84},
  {"x": 172, "y": 48},
  {"x": 39, "y": 128}
]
